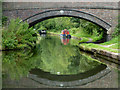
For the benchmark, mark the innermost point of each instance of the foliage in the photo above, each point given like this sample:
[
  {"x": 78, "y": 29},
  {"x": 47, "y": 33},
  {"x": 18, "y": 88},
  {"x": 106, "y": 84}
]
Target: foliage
[
  {"x": 117, "y": 29},
  {"x": 17, "y": 35},
  {"x": 56, "y": 24},
  {"x": 99, "y": 37},
  {"x": 77, "y": 27},
  {"x": 90, "y": 28},
  {"x": 4, "y": 20},
  {"x": 74, "y": 30}
]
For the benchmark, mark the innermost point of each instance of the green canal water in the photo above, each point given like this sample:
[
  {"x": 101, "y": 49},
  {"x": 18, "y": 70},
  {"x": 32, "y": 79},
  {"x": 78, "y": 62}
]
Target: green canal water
[{"x": 55, "y": 62}]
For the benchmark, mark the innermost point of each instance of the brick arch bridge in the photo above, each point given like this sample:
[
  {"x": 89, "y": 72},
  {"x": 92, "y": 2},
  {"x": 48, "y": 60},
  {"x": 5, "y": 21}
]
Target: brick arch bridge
[
  {"x": 32, "y": 20},
  {"x": 105, "y": 14}
]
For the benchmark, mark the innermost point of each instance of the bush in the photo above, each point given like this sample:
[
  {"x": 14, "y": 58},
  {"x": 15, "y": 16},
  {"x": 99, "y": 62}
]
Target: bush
[
  {"x": 73, "y": 30},
  {"x": 4, "y": 20},
  {"x": 116, "y": 32},
  {"x": 96, "y": 38},
  {"x": 17, "y": 35}
]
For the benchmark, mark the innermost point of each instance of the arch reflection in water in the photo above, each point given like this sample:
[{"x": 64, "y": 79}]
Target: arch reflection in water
[
  {"x": 68, "y": 80},
  {"x": 64, "y": 65}
]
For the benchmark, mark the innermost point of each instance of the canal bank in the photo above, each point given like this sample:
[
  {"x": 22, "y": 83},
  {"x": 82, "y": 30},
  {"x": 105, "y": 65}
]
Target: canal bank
[{"x": 115, "y": 56}]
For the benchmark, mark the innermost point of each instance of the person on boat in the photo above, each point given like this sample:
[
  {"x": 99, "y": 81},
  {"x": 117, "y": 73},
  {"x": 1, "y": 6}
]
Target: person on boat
[{"x": 65, "y": 32}]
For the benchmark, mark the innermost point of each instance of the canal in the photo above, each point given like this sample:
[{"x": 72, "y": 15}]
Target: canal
[{"x": 57, "y": 62}]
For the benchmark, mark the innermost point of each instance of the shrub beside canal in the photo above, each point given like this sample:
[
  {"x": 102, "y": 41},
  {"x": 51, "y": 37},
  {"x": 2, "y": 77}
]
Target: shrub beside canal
[{"x": 18, "y": 36}]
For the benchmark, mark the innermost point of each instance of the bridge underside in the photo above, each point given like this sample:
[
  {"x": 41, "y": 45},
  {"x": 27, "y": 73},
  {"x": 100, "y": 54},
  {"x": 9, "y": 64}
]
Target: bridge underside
[{"x": 32, "y": 20}]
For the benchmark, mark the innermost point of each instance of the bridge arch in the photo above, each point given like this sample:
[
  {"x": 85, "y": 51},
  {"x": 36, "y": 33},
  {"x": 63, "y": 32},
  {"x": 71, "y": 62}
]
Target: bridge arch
[{"x": 32, "y": 20}]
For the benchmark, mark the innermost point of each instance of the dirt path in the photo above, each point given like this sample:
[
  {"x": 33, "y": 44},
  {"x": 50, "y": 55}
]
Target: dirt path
[
  {"x": 90, "y": 40},
  {"x": 107, "y": 46}
]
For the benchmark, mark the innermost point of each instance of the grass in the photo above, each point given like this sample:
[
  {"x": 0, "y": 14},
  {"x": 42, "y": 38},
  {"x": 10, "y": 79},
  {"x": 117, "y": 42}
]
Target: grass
[
  {"x": 84, "y": 39},
  {"x": 114, "y": 40},
  {"x": 115, "y": 46},
  {"x": 95, "y": 46}
]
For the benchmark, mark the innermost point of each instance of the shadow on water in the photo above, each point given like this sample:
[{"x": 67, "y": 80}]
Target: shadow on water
[{"x": 53, "y": 63}]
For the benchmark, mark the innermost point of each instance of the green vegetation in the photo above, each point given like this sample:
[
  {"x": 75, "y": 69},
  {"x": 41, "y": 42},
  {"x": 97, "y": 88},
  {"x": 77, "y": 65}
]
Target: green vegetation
[
  {"x": 117, "y": 29},
  {"x": 112, "y": 45},
  {"x": 4, "y": 20},
  {"x": 77, "y": 27},
  {"x": 115, "y": 46},
  {"x": 18, "y": 36},
  {"x": 84, "y": 39}
]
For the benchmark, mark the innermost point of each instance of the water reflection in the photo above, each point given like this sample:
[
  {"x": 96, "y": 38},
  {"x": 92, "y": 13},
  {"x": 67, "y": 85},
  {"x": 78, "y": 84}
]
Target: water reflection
[
  {"x": 62, "y": 60},
  {"x": 43, "y": 35},
  {"x": 16, "y": 64},
  {"x": 53, "y": 61},
  {"x": 64, "y": 40}
]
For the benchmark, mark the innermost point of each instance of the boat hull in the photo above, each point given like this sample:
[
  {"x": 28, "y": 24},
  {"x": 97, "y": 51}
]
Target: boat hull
[{"x": 66, "y": 36}]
